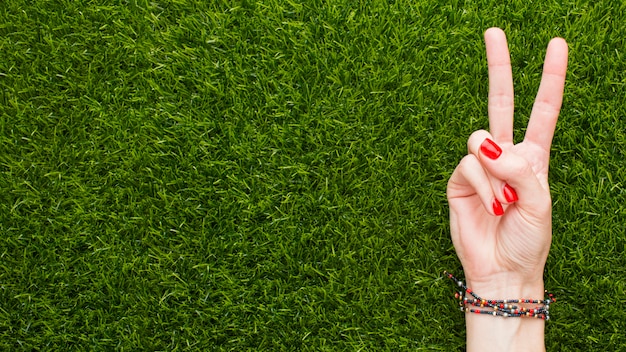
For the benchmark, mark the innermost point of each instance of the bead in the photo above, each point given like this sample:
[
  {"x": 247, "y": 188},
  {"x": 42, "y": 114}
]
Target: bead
[{"x": 503, "y": 308}]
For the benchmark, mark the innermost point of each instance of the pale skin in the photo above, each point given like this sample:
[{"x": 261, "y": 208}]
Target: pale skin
[{"x": 504, "y": 250}]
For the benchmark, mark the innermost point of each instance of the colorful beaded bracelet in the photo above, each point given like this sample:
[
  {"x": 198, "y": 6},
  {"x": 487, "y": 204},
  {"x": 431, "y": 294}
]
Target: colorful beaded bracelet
[{"x": 502, "y": 307}]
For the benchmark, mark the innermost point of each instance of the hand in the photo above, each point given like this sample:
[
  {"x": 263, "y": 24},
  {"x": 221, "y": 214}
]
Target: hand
[{"x": 499, "y": 196}]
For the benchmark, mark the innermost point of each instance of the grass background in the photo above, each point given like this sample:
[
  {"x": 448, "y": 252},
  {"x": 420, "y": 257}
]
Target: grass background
[{"x": 241, "y": 175}]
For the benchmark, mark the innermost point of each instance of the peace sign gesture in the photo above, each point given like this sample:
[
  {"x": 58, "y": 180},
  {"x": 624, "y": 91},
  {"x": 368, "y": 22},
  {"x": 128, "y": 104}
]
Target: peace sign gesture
[
  {"x": 499, "y": 196},
  {"x": 500, "y": 205}
]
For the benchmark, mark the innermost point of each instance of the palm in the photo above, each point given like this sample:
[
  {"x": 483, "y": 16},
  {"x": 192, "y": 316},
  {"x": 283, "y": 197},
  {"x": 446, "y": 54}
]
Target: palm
[
  {"x": 507, "y": 241},
  {"x": 519, "y": 240}
]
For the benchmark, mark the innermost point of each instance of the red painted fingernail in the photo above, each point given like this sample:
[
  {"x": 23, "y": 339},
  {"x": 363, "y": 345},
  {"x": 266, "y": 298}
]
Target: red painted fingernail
[
  {"x": 490, "y": 149},
  {"x": 509, "y": 194},
  {"x": 497, "y": 207}
]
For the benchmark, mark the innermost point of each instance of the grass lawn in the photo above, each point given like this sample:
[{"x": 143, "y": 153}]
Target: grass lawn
[{"x": 241, "y": 176}]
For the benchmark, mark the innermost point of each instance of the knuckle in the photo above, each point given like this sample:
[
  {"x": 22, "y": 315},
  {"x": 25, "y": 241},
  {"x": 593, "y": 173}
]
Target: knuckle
[
  {"x": 467, "y": 163},
  {"x": 500, "y": 101}
]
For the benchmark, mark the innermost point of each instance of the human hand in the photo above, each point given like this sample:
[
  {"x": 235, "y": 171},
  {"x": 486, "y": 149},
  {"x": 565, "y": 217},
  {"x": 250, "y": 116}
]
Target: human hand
[{"x": 499, "y": 196}]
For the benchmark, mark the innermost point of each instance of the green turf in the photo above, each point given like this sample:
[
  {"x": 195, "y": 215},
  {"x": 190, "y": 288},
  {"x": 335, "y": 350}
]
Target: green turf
[{"x": 240, "y": 175}]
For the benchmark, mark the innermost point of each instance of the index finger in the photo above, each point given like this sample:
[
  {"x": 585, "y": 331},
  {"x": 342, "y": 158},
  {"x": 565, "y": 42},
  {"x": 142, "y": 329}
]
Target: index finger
[
  {"x": 500, "y": 105},
  {"x": 549, "y": 98}
]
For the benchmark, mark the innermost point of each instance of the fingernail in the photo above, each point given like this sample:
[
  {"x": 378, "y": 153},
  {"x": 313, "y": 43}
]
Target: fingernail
[
  {"x": 497, "y": 207},
  {"x": 490, "y": 149},
  {"x": 509, "y": 194}
]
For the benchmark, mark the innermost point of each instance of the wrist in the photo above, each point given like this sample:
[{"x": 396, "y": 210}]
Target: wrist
[
  {"x": 497, "y": 333},
  {"x": 507, "y": 286}
]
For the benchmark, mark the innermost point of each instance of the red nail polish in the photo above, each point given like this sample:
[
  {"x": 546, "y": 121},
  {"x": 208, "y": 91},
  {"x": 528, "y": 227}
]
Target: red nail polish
[
  {"x": 497, "y": 207},
  {"x": 490, "y": 149},
  {"x": 509, "y": 194}
]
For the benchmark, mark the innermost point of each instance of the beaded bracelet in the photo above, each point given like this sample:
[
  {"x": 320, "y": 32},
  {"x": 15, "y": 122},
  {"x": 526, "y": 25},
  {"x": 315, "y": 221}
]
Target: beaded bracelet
[{"x": 501, "y": 307}]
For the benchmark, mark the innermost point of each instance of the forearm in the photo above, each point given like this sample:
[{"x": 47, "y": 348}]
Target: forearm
[{"x": 497, "y": 333}]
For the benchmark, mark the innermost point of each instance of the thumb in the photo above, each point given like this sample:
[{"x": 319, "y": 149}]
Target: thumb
[{"x": 517, "y": 172}]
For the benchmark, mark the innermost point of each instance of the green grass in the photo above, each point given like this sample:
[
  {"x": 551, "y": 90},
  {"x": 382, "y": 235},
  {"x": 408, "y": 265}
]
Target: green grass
[{"x": 232, "y": 176}]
